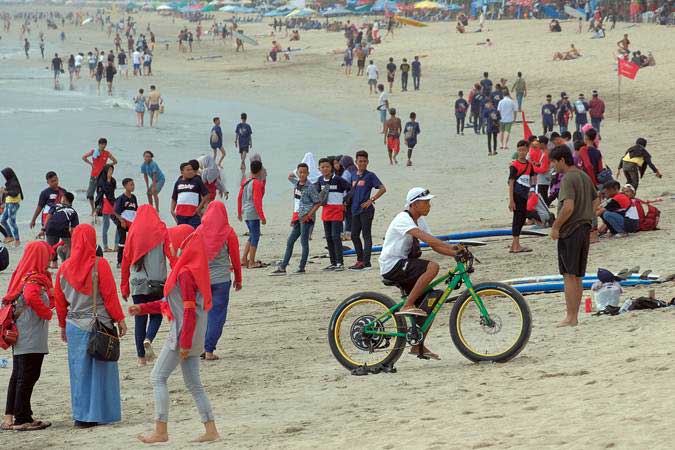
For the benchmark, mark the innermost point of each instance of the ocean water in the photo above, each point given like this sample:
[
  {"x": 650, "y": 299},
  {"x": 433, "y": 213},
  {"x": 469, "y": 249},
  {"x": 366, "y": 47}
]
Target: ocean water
[{"x": 43, "y": 129}]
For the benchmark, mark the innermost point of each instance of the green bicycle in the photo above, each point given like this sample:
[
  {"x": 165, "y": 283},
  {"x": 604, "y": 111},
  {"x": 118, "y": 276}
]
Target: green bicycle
[{"x": 489, "y": 321}]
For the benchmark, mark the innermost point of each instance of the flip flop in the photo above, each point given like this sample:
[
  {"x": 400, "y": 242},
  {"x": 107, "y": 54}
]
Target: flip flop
[
  {"x": 215, "y": 358},
  {"x": 27, "y": 427},
  {"x": 522, "y": 250}
]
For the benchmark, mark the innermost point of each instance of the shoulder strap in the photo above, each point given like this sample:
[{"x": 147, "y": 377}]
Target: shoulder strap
[{"x": 94, "y": 286}]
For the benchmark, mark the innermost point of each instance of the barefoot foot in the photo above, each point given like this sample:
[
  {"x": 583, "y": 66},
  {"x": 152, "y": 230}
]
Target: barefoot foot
[
  {"x": 207, "y": 437},
  {"x": 153, "y": 437}
]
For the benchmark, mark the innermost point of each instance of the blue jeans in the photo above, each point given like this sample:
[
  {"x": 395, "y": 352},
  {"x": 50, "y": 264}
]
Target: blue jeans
[
  {"x": 147, "y": 325},
  {"x": 193, "y": 221},
  {"x": 563, "y": 128},
  {"x": 299, "y": 230},
  {"x": 620, "y": 224},
  {"x": 253, "y": 232},
  {"x": 8, "y": 219},
  {"x": 596, "y": 124},
  {"x": 220, "y": 294},
  {"x": 519, "y": 99},
  {"x": 104, "y": 231}
]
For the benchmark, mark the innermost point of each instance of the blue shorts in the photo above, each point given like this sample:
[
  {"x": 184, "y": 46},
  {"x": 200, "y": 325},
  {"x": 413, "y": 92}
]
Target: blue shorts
[
  {"x": 137, "y": 66},
  {"x": 383, "y": 115},
  {"x": 253, "y": 232},
  {"x": 159, "y": 185}
]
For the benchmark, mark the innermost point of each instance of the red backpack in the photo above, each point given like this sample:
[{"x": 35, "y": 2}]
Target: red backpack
[
  {"x": 650, "y": 220},
  {"x": 8, "y": 331}
]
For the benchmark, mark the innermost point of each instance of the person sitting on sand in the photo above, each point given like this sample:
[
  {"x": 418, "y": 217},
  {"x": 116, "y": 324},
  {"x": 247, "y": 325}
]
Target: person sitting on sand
[
  {"x": 624, "y": 44},
  {"x": 460, "y": 27},
  {"x": 651, "y": 61},
  {"x": 461, "y": 18},
  {"x": 598, "y": 31},
  {"x": 554, "y": 26},
  {"x": 295, "y": 36},
  {"x": 572, "y": 53}
]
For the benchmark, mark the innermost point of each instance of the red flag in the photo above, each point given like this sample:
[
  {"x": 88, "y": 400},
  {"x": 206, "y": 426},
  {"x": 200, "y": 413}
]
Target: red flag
[
  {"x": 628, "y": 69},
  {"x": 526, "y": 128}
]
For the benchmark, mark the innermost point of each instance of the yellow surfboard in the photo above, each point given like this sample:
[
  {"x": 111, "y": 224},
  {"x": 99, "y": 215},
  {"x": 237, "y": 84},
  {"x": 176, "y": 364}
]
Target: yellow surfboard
[{"x": 411, "y": 22}]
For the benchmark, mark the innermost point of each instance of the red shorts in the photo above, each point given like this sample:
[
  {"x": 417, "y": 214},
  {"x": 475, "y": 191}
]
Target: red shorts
[{"x": 393, "y": 144}]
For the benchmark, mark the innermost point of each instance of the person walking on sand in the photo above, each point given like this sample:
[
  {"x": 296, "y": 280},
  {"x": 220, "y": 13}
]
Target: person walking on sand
[
  {"x": 405, "y": 70},
  {"x": 391, "y": 73},
  {"x": 11, "y": 195},
  {"x": 577, "y": 203},
  {"x": 392, "y": 136},
  {"x": 155, "y": 103},
  {"x": 382, "y": 105},
  {"x": 105, "y": 203},
  {"x": 222, "y": 252},
  {"x": 26, "y": 47},
  {"x": 596, "y": 109},
  {"x": 372, "y": 74},
  {"x": 139, "y": 107},
  {"x": 491, "y": 118},
  {"x": 410, "y": 132},
  {"x": 520, "y": 88},
  {"x": 154, "y": 178},
  {"x": 57, "y": 67},
  {"x": 521, "y": 176},
  {"x": 100, "y": 71},
  {"x": 99, "y": 158},
  {"x": 144, "y": 273},
  {"x": 124, "y": 212},
  {"x": 31, "y": 289},
  {"x": 507, "y": 112},
  {"x": 110, "y": 72},
  {"x": 250, "y": 210},
  {"x": 243, "y": 139},
  {"x": 416, "y": 72},
  {"x": 216, "y": 141},
  {"x": 461, "y": 107},
  {"x": 85, "y": 283},
  {"x": 187, "y": 300}
]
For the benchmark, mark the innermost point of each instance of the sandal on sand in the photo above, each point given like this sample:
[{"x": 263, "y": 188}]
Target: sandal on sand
[
  {"x": 214, "y": 358},
  {"x": 259, "y": 265},
  {"x": 411, "y": 311},
  {"x": 5, "y": 426},
  {"x": 35, "y": 426},
  {"x": 522, "y": 250}
]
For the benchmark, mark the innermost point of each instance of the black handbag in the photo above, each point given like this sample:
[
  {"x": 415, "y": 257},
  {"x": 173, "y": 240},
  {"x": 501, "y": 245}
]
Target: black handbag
[
  {"x": 104, "y": 342},
  {"x": 155, "y": 287}
]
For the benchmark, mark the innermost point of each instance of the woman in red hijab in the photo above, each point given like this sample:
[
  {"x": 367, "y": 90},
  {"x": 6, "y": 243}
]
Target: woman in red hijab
[
  {"x": 177, "y": 235},
  {"x": 222, "y": 251},
  {"x": 144, "y": 273},
  {"x": 94, "y": 385},
  {"x": 187, "y": 301},
  {"x": 31, "y": 290}
]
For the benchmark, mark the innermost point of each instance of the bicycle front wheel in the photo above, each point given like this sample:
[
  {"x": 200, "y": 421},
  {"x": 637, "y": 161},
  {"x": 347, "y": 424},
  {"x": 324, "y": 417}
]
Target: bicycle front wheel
[
  {"x": 349, "y": 340},
  {"x": 503, "y": 336}
]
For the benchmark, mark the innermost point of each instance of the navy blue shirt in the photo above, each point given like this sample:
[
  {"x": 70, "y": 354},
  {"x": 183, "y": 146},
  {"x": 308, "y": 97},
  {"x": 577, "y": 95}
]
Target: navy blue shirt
[
  {"x": 486, "y": 84},
  {"x": 496, "y": 96},
  {"x": 62, "y": 219},
  {"x": 362, "y": 185},
  {"x": 491, "y": 117},
  {"x": 216, "y": 137},
  {"x": 461, "y": 106},
  {"x": 548, "y": 112},
  {"x": 243, "y": 132},
  {"x": 581, "y": 117},
  {"x": 416, "y": 68}
]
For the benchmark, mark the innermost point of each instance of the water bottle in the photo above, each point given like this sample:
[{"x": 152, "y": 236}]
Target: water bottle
[
  {"x": 625, "y": 306},
  {"x": 5, "y": 363}
]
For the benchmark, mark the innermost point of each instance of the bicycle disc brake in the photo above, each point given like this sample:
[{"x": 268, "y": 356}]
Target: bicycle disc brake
[
  {"x": 495, "y": 325},
  {"x": 366, "y": 341}
]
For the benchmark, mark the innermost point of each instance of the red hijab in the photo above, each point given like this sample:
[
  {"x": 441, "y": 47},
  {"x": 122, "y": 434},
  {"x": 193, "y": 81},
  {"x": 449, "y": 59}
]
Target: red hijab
[
  {"x": 177, "y": 235},
  {"x": 192, "y": 259},
  {"x": 32, "y": 268},
  {"x": 214, "y": 229},
  {"x": 78, "y": 267},
  {"x": 146, "y": 233}
]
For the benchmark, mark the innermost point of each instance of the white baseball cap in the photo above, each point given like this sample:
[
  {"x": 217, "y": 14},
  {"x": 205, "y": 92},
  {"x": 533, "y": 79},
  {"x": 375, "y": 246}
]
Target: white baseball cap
[{"x": 417, "y": 193}]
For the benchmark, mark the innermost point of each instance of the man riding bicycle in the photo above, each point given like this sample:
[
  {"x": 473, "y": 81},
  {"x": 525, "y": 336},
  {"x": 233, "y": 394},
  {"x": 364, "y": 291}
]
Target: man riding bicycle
[{"x": 400, "y": 260}]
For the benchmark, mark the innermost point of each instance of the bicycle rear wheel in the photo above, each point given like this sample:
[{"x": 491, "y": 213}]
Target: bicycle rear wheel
[
  {"x": 500, "y": 340},
  {"x": 351, "y": 346}
]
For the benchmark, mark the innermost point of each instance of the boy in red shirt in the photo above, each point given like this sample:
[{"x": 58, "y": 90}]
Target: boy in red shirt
[
  {"x": 250, "y": 210},
  {"x": 332, "y": 190}
]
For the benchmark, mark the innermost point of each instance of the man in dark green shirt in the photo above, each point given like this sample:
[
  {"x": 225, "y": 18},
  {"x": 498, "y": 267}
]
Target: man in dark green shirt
[{"x": 577, "y": 202}]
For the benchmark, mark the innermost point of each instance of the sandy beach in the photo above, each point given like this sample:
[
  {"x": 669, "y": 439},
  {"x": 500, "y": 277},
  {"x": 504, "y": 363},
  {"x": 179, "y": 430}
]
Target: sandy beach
[{"x": 604, "y": 384}]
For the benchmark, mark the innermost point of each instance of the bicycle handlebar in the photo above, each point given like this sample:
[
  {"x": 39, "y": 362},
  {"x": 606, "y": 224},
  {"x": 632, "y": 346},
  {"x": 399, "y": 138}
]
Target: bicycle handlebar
[{"x": 467, "y": 258}]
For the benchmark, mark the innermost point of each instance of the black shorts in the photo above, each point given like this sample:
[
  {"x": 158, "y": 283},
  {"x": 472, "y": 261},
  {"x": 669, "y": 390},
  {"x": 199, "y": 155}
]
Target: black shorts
[
  {"x": 244, "y": 149},
  {"x": 573, "y": 251},
  {"x": 406, "y": 272}
]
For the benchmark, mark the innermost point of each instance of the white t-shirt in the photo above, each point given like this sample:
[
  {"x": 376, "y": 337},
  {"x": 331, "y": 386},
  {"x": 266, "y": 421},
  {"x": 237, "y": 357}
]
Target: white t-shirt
[
  {"x": 371, "y": 71},
  {"x": 384, "y": 99},
  {"x": 507, "y": 109},
  {"x": 397, "y": 241},
  {"x": 78, "y": 60},
  {"x": 136, "y": 57}
]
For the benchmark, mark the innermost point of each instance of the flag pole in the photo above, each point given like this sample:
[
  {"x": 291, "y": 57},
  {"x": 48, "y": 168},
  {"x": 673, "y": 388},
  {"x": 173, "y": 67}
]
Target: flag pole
[{"x": 619, "y": 95}]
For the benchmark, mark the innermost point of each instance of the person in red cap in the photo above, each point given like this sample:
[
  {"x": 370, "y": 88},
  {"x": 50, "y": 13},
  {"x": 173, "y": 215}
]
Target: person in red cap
[
  {"x": 94, "y": 384},
  {"x": 31, "y": 289},
  {"x": 187, "y": 300},
  {"x": 143, "y": 274},
  {"x": 222, "y": 251}
]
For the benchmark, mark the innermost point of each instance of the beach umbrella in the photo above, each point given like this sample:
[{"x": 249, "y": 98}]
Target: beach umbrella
[
  {"x": 304, "y": 12},
  {"x": 337, "y": 11},
  {"x": 228, "y": 8},
  {"x": 164, "y": 8},
  {"x": 428, "y": 4}
]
